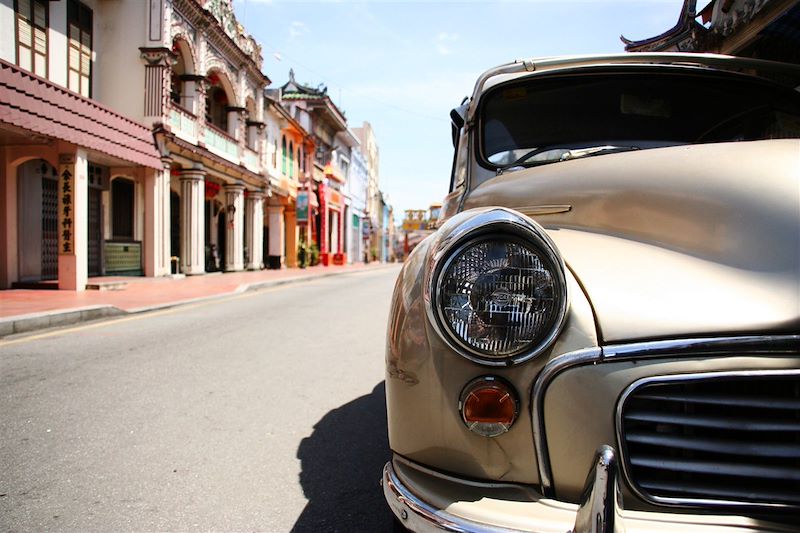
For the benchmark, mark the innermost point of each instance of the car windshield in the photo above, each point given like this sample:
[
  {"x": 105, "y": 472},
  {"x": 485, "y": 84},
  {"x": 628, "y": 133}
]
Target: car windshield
[{"x": 539, "y": 121}]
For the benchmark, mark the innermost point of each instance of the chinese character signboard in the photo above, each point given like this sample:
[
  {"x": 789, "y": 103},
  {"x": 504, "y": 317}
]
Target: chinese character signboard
[
  {"x": 66, "y": 205},
  {"x": 302, "y": 206}
]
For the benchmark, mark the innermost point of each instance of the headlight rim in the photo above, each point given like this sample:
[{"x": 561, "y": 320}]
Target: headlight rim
[{"x": 502, "y": 222}]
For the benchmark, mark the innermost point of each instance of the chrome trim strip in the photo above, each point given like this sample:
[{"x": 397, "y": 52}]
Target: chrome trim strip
[
  {"x": 423, "y": 517},
  {"x": 701, "y": 347},
  {"x": 481, "y": 222},
  {"x": 535, "y": 210},
  {"x": 691, "y": 502},
  {"x": 550, "y": 371}
]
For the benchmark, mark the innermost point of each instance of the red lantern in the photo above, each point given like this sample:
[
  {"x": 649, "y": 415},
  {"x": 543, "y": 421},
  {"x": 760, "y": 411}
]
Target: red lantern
[{"x": 211, "y": 189}]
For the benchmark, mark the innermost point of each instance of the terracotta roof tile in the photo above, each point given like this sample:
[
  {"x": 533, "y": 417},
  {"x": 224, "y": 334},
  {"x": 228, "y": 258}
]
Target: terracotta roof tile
[{"x": 40, "y": 106}]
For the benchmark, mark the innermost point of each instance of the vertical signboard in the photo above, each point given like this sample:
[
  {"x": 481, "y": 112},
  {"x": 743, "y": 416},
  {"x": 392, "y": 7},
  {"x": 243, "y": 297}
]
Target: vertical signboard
[
  {"x": 302, "y": 206},
  {"x": 66, "y": 205}
]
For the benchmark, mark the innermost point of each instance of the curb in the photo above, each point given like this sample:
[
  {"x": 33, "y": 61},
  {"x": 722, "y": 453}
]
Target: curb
[
  {"x": 52, "y": 319},
  {"x": 57, "y": 318}
]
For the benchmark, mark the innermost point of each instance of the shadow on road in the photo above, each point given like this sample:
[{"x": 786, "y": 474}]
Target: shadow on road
[{"x": 341, "y": 466}]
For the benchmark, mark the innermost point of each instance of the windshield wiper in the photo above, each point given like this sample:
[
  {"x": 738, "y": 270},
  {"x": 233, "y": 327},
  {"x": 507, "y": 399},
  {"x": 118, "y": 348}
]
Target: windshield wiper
[
  {"x": 523, "y": 162},
  {"x": 595, "y": 150}
]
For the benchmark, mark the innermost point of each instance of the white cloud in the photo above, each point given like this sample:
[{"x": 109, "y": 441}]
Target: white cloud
[
  {"x": 298, "y": 29},
  {"x": 442, "y": 42}
]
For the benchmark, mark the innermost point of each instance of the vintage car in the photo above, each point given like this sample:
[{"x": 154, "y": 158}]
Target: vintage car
[{"x": 603, "y": 332}]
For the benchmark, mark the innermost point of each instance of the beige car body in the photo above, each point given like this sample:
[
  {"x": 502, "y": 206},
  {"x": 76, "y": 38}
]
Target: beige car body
[{"x": 693, "y": 271}]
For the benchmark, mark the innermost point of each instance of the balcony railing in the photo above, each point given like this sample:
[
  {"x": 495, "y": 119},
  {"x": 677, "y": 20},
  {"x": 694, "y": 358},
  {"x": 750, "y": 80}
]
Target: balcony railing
[
  {"x": 183, "y": 124},
  {"x": 251, "y": 160},
  {"x": 221, "y": 144}
]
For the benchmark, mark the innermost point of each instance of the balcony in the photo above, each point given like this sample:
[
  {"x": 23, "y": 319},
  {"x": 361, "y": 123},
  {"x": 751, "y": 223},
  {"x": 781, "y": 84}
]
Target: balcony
[
  {"x": 183, "y": 124},
  {"x": 251, "y": 161},
  {"x": 221, "y": 144}
]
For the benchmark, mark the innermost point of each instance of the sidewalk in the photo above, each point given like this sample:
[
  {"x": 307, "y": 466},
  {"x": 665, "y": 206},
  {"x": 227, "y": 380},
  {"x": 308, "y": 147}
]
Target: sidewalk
[{"x": 25, "y": 310}]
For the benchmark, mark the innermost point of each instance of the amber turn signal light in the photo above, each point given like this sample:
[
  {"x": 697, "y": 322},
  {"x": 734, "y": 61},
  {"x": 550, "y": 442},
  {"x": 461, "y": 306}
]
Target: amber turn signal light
[{"x": 488, "y": 406}]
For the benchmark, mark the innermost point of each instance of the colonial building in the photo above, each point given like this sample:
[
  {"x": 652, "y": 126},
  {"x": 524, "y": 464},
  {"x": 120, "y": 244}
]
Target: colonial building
[
  {"x": 357, "y": 183},
  {"x": 764, "y": 29},
  {"x": 315, "y": 111},
  {"x": 289, "y": 146},
  {"x": 139, "y": 137},
  {"x": 76, "y": 175},
  {"x": 374, "y": 209},
  {"x": 203, "y": 93}
]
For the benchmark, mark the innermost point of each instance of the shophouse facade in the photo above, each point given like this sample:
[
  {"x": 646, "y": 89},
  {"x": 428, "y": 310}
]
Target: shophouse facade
[
  {"x": 357, "y": 183},
  {"x": 289, "y": 146},
  {"x": 374, "y": 210},
  {"x": 345, "y": 143},
  {"x": 203, "y": 87},
  {"x": 315, "y": 111},
  {"x": 77, "y": 175}
]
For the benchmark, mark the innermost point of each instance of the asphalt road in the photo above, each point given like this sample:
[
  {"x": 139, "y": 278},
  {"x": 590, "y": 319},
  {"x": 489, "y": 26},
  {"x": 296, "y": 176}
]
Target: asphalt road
[{"x": 260, "y": 412}]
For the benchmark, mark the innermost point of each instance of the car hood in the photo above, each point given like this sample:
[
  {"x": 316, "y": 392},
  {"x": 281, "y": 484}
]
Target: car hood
[{"x": 679, "y": 241}]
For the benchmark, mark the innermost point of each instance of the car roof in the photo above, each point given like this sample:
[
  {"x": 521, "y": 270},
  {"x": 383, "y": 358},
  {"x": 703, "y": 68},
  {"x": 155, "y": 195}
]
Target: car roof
[{"x": 790, "y": 73}]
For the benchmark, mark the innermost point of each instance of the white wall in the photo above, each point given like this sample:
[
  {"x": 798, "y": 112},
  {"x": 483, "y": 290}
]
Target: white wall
[
  {"x": 7, "y": 31},
  {"x": 120, "y": 29},
  {"x": 57, "y": 45}
]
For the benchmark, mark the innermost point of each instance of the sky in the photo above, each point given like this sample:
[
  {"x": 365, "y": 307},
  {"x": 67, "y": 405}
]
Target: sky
[{"x": 403, "y": 65}]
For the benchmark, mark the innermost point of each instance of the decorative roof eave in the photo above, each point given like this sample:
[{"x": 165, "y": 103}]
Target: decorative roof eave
[
  {"x": 349, "y": 138},
  {"x": 330, "y": 109},
  {"x": 37, "y": 105},
  {"x": 201, "y": 17},
  {"x": 293, "y": 87},
  {"x": 684, "y": 36}
]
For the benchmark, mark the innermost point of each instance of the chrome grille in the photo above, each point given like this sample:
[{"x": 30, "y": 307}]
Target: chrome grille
[{"x": 717, "y": 439}]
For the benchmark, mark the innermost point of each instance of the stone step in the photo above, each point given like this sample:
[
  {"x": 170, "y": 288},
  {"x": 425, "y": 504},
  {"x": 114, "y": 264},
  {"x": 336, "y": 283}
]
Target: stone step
[{"x": 115, "y": 285}]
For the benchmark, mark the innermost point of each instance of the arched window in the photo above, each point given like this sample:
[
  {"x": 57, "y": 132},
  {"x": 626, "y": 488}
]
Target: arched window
[
  {"x": 291, "y": 159},
  {"x": 217, "y": 103},
  {"x": 178, "y": 70},
  {"x": 122, "y": 191},
  {"x": 301, "y": 158},
  {"x": 299, "y": 162},
  {"x": 283, "y": 155}
]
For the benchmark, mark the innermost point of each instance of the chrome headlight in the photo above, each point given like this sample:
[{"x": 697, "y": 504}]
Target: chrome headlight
[{"x": 498, "y": 288}]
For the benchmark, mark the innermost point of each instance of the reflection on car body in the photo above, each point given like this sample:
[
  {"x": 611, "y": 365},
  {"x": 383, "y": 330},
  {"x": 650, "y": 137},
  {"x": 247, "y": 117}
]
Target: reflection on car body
[{"x": 614, "y": 292}]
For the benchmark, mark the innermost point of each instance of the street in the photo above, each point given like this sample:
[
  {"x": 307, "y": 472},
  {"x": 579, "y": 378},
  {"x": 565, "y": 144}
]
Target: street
[{"x": 258, "y": 412}]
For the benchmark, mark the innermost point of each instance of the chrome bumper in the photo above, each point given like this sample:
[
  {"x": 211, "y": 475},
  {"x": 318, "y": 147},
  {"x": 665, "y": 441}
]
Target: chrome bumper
[{"x": 599, "y": 512}]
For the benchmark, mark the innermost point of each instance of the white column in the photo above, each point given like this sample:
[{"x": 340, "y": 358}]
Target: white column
[
  {"x": 334, "y": 239},
  {"x": 277, "y": 231},
  {"x": 193, "y": 246},
  {"x": 254, "y": 215},
  {"x": 73, "y": 196},
  {"x": 234, "y": 226},
  {"x": 156, "y": 221}
]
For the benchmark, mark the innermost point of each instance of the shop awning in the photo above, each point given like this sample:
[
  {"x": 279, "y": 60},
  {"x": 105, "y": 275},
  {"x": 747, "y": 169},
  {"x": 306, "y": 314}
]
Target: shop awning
[{"x": 41, "y": 107}]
